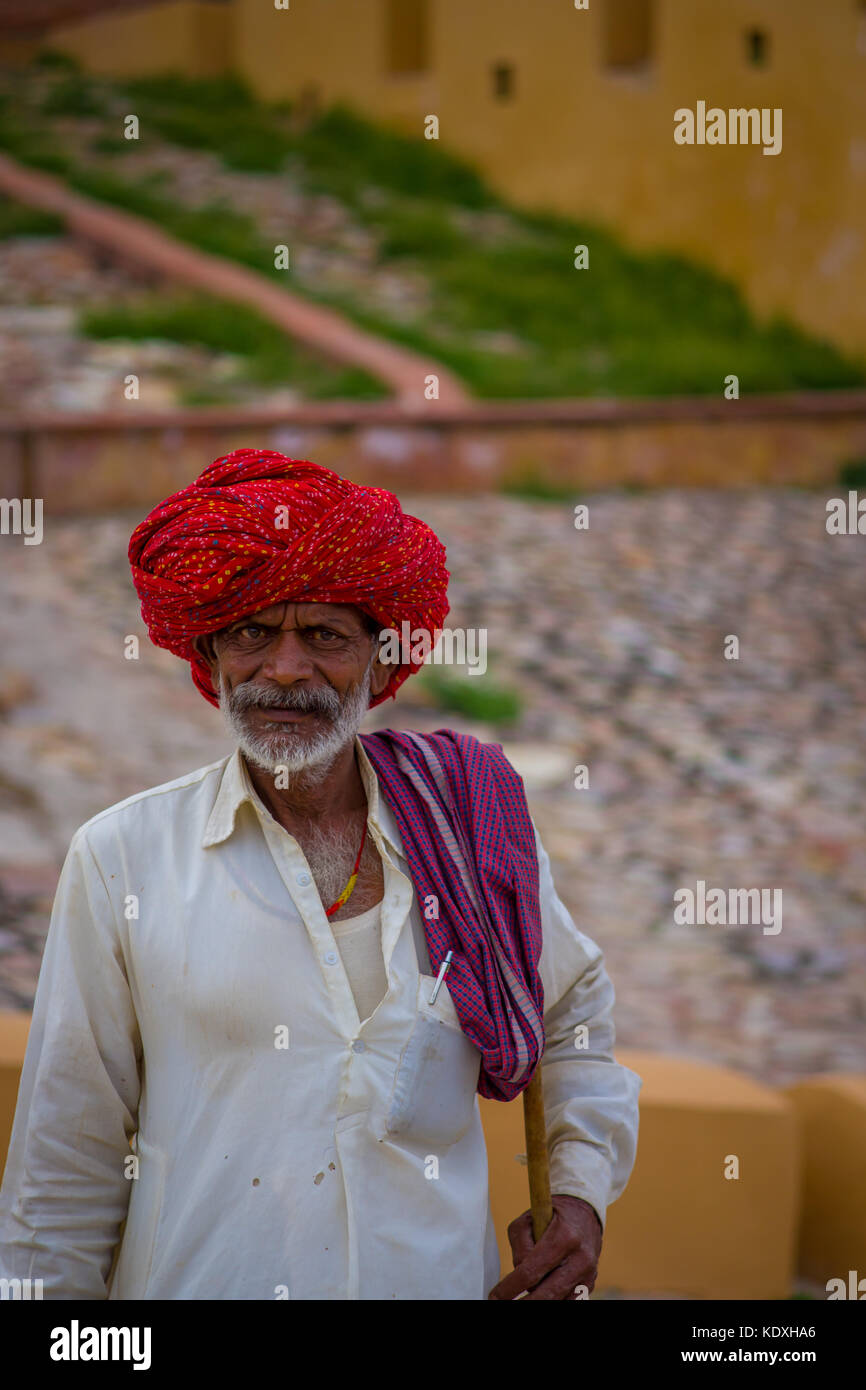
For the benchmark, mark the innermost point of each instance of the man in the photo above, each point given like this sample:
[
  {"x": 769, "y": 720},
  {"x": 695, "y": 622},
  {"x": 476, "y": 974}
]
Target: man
[{"x": 241, "y": 1082}]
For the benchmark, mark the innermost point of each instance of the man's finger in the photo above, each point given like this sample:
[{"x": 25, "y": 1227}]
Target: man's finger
[
  {"x": 561, "y": 1282},
  {"x": 520, "y": 1237},
  {"x": 539, "y": 1260}
]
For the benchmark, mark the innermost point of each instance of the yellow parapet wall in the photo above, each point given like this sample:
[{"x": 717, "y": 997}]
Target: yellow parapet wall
[
  {"x": 682, "y": 1226},
  {"x": 14, "y": 1028},
  {"x": 831, "y": 1113}
]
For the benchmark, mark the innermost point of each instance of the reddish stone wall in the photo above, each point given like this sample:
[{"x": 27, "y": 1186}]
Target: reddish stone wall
[{"x": 80, "y": 463}]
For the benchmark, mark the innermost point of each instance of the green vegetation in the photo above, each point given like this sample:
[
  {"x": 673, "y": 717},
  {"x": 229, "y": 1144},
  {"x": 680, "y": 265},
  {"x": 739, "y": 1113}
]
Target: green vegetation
[
  {"x": 18, "y": 220},
  {"x": 110, "y": 144},
  {"x": 512, "y": 316},
  {"x": 478, "y": 697},
  {"x": 32, "y": 144},
  {"x": 73, "y": 96},
  {"x": 269, "y": 357},
  {"x": 216, "y": 114},
  {"x": 853, "y": 473},
  {"x": 342, "y": 153},
  {"x": 53, "y": 58},
  {"x": 214, "y": 227},
  {"x": 345, "y": 155},
  {"x": 531, "y": 484}
]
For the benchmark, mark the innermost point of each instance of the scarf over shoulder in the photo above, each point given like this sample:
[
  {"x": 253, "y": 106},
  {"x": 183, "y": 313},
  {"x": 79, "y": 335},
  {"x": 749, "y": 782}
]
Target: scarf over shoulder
[{"x": 470, "y": 846}]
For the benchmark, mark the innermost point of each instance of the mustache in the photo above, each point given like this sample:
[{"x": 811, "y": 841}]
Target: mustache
[{"x": 319, "y": 700}]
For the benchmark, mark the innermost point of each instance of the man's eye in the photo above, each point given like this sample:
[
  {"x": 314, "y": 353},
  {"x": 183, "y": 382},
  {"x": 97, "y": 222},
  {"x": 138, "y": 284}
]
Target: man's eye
[{"x": 253, "y": 632}]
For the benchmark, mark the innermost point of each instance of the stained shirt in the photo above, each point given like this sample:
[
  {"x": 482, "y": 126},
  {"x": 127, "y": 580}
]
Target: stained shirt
[{"x": 202, "y": 1112}]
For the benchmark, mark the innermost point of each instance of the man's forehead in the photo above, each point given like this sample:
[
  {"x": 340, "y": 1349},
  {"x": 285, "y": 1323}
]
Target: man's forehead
[{"x": 306, "y": 612}]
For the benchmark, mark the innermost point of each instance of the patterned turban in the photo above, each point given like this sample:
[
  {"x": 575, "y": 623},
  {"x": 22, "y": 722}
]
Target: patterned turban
[{"x": 257, "y": 528}]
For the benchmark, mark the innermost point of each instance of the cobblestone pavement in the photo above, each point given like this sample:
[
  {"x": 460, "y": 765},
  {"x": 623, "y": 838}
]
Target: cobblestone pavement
[{"x": 743, "y": 773}]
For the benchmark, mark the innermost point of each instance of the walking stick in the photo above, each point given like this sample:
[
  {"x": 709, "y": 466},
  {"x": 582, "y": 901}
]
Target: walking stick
[{"x": 536, "y": 1155}]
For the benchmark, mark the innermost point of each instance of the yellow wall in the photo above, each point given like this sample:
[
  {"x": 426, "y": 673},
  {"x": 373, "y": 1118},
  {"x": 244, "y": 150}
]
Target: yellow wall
[
  {"x": 339, "y": 47},
  {"x": 18, "y": 52},
  {"x": 182, "y": 35},
  {"x": 831, "y": 1116},
  {"x": 580, "y": 138},
  {"x": 712, "y": 1206},
  {"x": 14, "y": 1030}
]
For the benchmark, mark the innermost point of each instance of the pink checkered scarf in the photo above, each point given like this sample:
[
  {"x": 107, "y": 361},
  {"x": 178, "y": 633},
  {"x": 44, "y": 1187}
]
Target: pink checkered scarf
[{"x": 469, "y": 841}]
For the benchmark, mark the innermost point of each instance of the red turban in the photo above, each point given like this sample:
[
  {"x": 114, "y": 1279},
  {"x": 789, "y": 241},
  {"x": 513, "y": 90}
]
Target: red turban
[{"x": 257, "y": 528}]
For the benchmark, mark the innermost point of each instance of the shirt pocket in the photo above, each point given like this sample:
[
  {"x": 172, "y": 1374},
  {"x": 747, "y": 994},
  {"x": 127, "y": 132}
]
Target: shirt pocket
[{"x": 433, "y": 1100}]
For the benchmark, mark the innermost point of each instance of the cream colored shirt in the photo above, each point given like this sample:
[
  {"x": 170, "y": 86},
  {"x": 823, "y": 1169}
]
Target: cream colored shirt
[
  {"x": 199, "y": 1070},
  {"x": 359, "y": 941}
]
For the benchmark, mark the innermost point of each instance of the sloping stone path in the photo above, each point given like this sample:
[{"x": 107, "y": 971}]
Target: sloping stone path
[{"x": 134, "y": 239}]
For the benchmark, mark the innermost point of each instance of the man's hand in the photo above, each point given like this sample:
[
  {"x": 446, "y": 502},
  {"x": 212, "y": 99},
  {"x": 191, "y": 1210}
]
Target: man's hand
[{"x": 566, "y": 1256}]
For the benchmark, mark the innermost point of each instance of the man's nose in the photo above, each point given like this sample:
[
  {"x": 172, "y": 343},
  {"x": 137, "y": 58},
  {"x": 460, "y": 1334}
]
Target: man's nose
[{"x": 288, "y": 658}]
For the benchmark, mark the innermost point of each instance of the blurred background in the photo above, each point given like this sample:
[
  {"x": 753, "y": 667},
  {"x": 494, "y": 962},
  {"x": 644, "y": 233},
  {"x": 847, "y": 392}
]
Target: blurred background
[{"x": 226, "y": 225}]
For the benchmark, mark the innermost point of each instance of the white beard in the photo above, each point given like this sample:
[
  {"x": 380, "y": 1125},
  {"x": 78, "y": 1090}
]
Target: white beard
[{"x": 311, "y": 754}]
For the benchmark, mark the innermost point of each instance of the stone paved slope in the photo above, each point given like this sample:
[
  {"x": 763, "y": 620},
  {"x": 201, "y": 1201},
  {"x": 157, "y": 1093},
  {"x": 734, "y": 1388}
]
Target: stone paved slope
[
  {"x": 135, "y": 239},
  {"x": 742, "y": 773}
]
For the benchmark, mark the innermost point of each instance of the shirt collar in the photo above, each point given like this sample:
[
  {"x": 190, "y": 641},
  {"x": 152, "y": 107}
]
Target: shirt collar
[{"x": 236, "y": 787}]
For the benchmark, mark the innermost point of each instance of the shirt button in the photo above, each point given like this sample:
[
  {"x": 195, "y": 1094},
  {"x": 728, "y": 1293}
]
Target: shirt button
[
  {"x": 331, "y": 958},
  {"x": 359, "y": 1046},
  {"x": 304, "y": 879}
]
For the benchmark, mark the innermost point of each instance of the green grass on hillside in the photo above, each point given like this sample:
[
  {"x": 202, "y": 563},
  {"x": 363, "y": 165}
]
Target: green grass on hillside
[
  {"x": 852, "y": 473},
  {"x": 218, "y": 114},
  {"x": 512, "y": 316},
  {"x": 531, "y": 484},
  {"x": 270, "y": 358},
  {"x": 73, "y": 96},
  {"x": 477, "y": 697},
  {"x": 18, "y": 220}
]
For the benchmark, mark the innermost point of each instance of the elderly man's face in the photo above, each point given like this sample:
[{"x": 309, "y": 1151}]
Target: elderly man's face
[{"x": 295, "y": 681}]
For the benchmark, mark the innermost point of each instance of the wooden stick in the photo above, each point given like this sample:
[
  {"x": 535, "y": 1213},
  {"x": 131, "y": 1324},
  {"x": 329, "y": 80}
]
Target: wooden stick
[{"x": 536, "y": 1156}]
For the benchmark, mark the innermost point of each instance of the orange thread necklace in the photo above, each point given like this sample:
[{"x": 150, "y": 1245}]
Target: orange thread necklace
[{"x": 353, "y": 878}]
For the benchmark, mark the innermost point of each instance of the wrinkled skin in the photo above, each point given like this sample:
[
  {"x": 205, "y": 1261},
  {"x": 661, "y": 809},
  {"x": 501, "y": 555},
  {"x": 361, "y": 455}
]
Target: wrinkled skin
[{"x": 565, "y": 1257}]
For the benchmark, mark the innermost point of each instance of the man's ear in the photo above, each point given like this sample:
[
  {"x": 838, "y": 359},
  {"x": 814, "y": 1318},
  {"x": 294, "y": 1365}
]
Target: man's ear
[
  {"x": 203, "y": 644},
  {"x": 380, "y": 673}
]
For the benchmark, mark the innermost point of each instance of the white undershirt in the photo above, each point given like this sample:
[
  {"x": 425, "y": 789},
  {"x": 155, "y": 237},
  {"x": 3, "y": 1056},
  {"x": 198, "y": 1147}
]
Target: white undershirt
[{"x": 359, "y": 941}]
